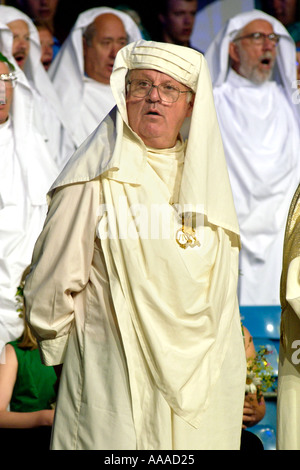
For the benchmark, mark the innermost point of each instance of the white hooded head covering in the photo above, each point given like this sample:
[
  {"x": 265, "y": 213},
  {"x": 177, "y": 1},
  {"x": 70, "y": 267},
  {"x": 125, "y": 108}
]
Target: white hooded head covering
[
  {"x": 218, "y": 59},
  {"x": 34, "y": 70},
  {"x": 6, "y": 45},
  {"x": 209, "y": 187},
  {"x": 38, "y": 168},
  {"x": 67, "y": 69}
]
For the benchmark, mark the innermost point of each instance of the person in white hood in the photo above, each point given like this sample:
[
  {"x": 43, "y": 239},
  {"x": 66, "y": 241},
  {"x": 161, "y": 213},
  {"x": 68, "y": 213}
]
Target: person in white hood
[
  {"x": 253, "y": 69},
  {"x": 24, "y": 51},
  {"x": 81, "y": 70},
  {"x": 134, "y": 277},
  {"x": 26, "y": 173}
]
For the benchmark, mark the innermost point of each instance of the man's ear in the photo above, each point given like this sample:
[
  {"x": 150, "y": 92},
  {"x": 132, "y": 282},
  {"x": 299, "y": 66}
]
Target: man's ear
[
  {"x": 190, "y": 106},
  {"x": 233, "y": 52}
]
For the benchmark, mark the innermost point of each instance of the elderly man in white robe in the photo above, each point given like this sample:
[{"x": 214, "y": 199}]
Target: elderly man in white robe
[
  {"x": 134, "y": 278},
  {"x": 26, "y": 173},
  {"x": 81, "y": 70},
  {"x": 252, "y": 64},
  {"x": 24, "y": 51}
]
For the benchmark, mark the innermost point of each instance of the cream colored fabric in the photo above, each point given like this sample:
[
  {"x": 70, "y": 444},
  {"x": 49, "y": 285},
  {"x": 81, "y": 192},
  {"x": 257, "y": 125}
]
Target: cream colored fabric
[
  {"x": 86, "y": 102},
  {"x": 288, "y": 416},
  {"x": 168, "y": 165},
  {"x": 160, "y": 321},
  {"x": 260, "y": 132}
]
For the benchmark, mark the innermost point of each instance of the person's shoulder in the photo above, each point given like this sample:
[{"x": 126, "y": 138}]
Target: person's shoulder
[
  {"x": 75, "y": 190},
  {"x": 10, "y": 352}
]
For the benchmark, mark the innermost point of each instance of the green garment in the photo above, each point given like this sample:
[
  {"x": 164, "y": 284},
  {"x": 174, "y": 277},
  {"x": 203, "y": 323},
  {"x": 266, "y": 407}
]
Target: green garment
[{"x": 34, "y": 387}]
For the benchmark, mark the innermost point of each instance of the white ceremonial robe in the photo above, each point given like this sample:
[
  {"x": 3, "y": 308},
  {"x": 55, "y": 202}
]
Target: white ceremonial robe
[
  {"x": 97, "y": 101},
  {"x": 20, "y": 224},
  {"x": 56, "y": 137},
  {"x": 148, "y": 332},
  {"x": 49, "y": 118},
  {"x": 261, "y": 144}
]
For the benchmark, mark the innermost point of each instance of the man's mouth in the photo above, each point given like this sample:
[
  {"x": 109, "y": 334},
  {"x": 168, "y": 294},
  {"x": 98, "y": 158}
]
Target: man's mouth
[
  {"x": 152, "y": 112},
  {"x": 47, "y": 63},
  {"x": 266, "y": 61},
  {"x": 20, "y": 57},
  {"x": 44, "y": 13},
  {"x": 187, "y": 32}
]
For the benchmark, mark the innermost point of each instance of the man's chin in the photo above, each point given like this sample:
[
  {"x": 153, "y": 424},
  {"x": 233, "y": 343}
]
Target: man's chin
[
  {"x": 21, "y": 63},
  {"x": 258, "y": 77}
]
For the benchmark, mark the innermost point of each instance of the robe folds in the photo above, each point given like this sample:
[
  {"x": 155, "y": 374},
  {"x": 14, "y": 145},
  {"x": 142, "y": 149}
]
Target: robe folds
[
  {"x": 114, "y": 330},
  {"x": 107, "y": 348}
]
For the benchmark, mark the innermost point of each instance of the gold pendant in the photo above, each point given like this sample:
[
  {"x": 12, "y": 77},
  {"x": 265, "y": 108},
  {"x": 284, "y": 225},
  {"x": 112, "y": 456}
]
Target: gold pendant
[{"x": 185, "y": 237}]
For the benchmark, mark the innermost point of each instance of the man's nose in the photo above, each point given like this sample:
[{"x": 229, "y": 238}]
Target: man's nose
[
  {"x": 268, "y": 44},
  {"x": 22, "y": 43},
  {"x": 188, "y": 19},
  {"x": 153, "y": 94},
  {"x": 115, "y": 47}
]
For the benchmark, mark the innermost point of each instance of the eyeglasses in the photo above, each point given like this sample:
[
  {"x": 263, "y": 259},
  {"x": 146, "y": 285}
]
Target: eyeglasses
[
  {"x": 141, "y": 88},
  {"x": 259, "y": 38}
]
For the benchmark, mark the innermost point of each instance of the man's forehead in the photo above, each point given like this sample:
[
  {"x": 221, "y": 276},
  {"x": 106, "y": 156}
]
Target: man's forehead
[
  {"x": 151, "y": 73},
  {"x": 109, "y": 25},
  {"x": 258, "y": 25},
  {"x": 183, "y": 5},
  {"x": 18, "y": 26}
]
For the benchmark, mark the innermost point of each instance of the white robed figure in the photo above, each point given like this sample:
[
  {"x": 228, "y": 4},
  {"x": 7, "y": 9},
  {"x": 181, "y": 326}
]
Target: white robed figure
[
  {"x": 49, "y": 116},
  {"x": 86, "y": 101},
  {"x": 145, "y": 322},
  {"x": 27, "y": 171},
  {"x": 259, "y": 124}
]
